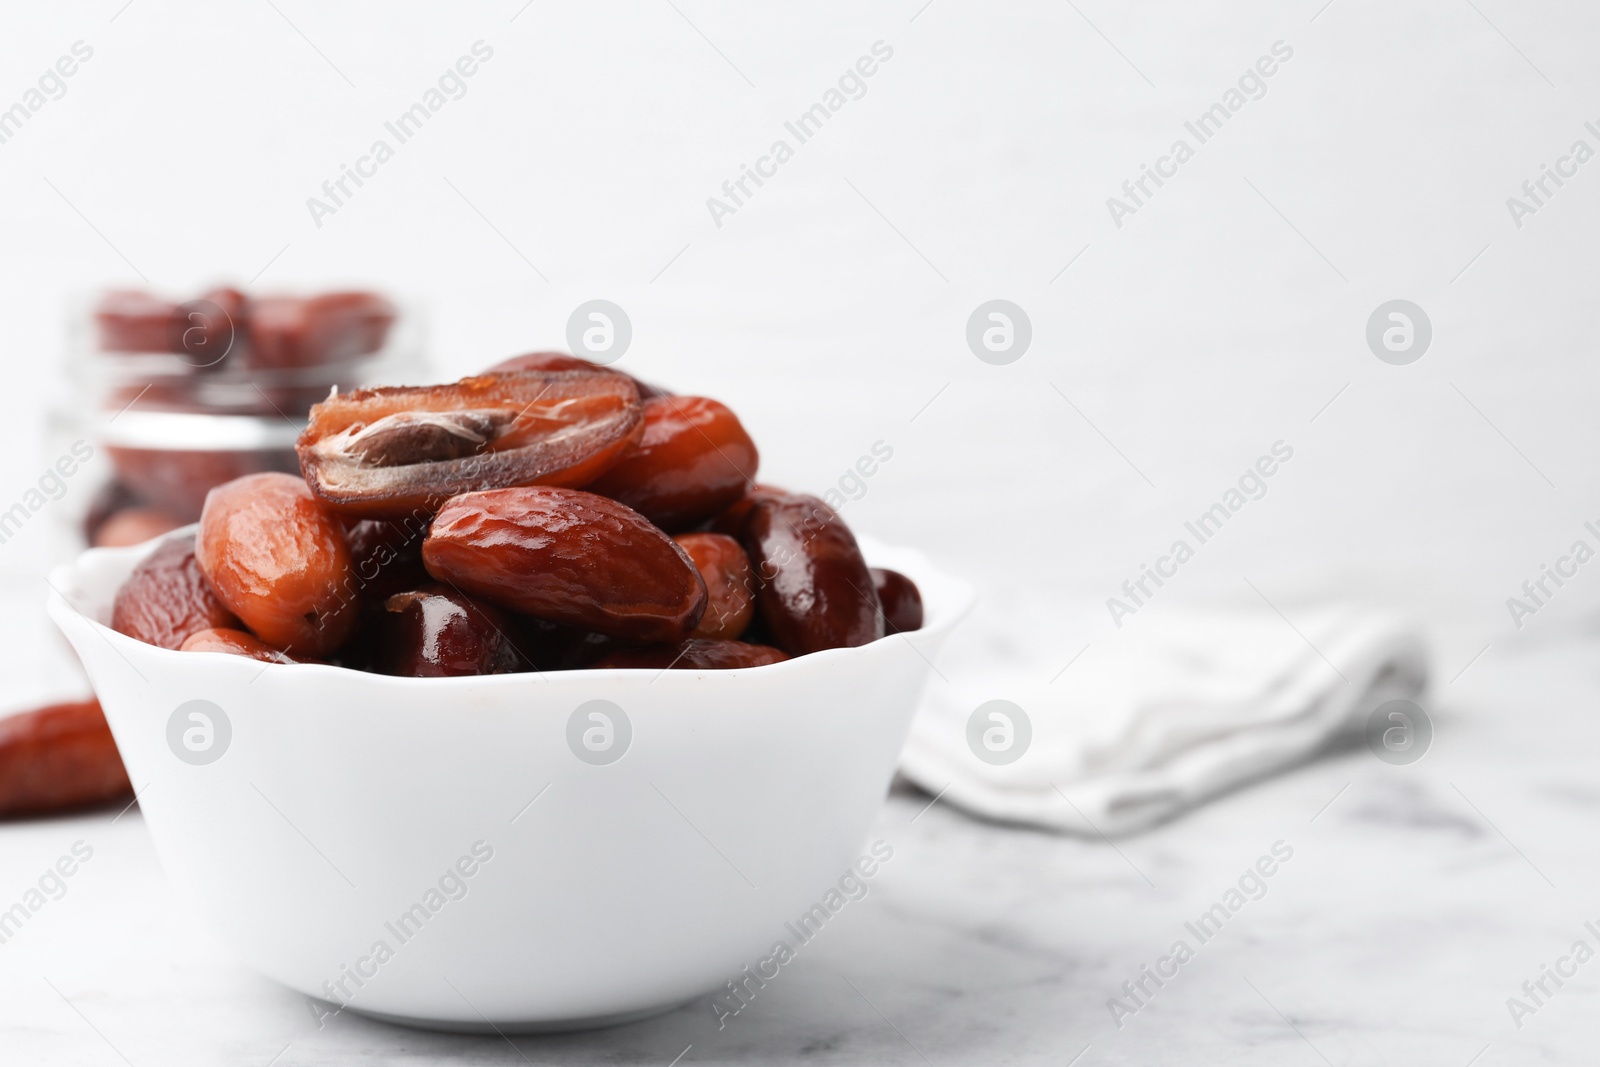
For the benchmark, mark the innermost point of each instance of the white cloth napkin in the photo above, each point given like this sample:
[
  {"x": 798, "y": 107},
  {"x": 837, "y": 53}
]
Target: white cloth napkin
[{"x": 1173, "y": 710}]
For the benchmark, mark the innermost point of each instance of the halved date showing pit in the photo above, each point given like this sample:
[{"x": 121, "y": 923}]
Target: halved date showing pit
[{"x": 392, "y": 452}]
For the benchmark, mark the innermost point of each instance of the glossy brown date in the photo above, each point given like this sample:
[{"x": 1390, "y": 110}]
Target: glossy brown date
[
  {"x": 394, "y": 452},
  {"x": 59, "y": 757},
  {"x": 236, "y": 643},
  {"x": 730, "y": 584},
  {"x": 816, "y": 592},
  {"x": 437, "y": 632},
  {"x": 696, "y": 654},
  {"x": 562, "y": 361},
  {"x": 568, "y": 557},
  {"x": 166, "y": 598},
  {"x": 902, "y": 602},
  {"x": 278, "y": 560},
  {"x": 694, "y": 460}
]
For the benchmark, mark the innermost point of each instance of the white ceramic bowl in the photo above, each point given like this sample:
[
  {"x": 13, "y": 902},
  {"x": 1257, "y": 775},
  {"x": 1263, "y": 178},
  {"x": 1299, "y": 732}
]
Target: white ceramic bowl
[{"x": 341, "y": 799}]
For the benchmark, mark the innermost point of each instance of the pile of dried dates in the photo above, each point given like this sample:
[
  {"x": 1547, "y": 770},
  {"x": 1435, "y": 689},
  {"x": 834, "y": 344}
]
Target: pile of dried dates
[{"x": 548, "y": 514}]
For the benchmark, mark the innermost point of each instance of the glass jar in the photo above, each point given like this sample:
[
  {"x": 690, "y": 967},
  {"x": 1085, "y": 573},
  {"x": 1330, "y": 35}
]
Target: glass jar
[{"x": 173, "y": 398}]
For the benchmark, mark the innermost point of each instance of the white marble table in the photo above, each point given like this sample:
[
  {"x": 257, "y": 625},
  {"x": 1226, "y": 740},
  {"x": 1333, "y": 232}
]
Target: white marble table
[{"x": 1417, "y": 900}]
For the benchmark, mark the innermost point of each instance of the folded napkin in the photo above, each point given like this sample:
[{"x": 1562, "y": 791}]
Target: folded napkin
[{"x": 1172, "y": 710}]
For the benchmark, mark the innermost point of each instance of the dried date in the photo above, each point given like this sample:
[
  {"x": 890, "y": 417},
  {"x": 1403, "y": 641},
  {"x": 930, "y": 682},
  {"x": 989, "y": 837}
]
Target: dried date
[
  {"x": 561, "y": 361},
  {"x": 437, "y": 632},
  {"x": 730, "y": 584},
  {"x": 279, "y": 561},
  {"x": 57, "y": 758},
  {"x": 815, "y": 592},
  {"x": 569, "y": 557},
  {"x": 236, "y": 643},
  {"x": 393, "y": 452},
  {"x": 902, "y": 602},
  {"x": 166, "y": 598},
  {"x": 694, "y": 459}
]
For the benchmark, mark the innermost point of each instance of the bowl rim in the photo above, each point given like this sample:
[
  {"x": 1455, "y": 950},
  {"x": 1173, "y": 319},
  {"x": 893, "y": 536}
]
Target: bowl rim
[{"x": 955, "y": 598}]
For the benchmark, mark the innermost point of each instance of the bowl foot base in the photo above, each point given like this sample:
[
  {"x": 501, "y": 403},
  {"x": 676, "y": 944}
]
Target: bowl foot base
[{"x": 521, "y": 1026}]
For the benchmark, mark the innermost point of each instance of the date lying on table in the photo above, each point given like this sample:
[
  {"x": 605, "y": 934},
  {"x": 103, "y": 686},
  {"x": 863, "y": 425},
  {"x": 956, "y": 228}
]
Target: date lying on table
[
  {"x": 549, "y": 514},
  {"x": 59, "y": 757}
]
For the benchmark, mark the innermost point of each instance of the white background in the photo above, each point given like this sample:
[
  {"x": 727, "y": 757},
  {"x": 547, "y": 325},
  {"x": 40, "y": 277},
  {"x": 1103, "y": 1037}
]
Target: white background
[
  {"x": 1192, "y": 338},
  {"x": 1224, "y": 316}
]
